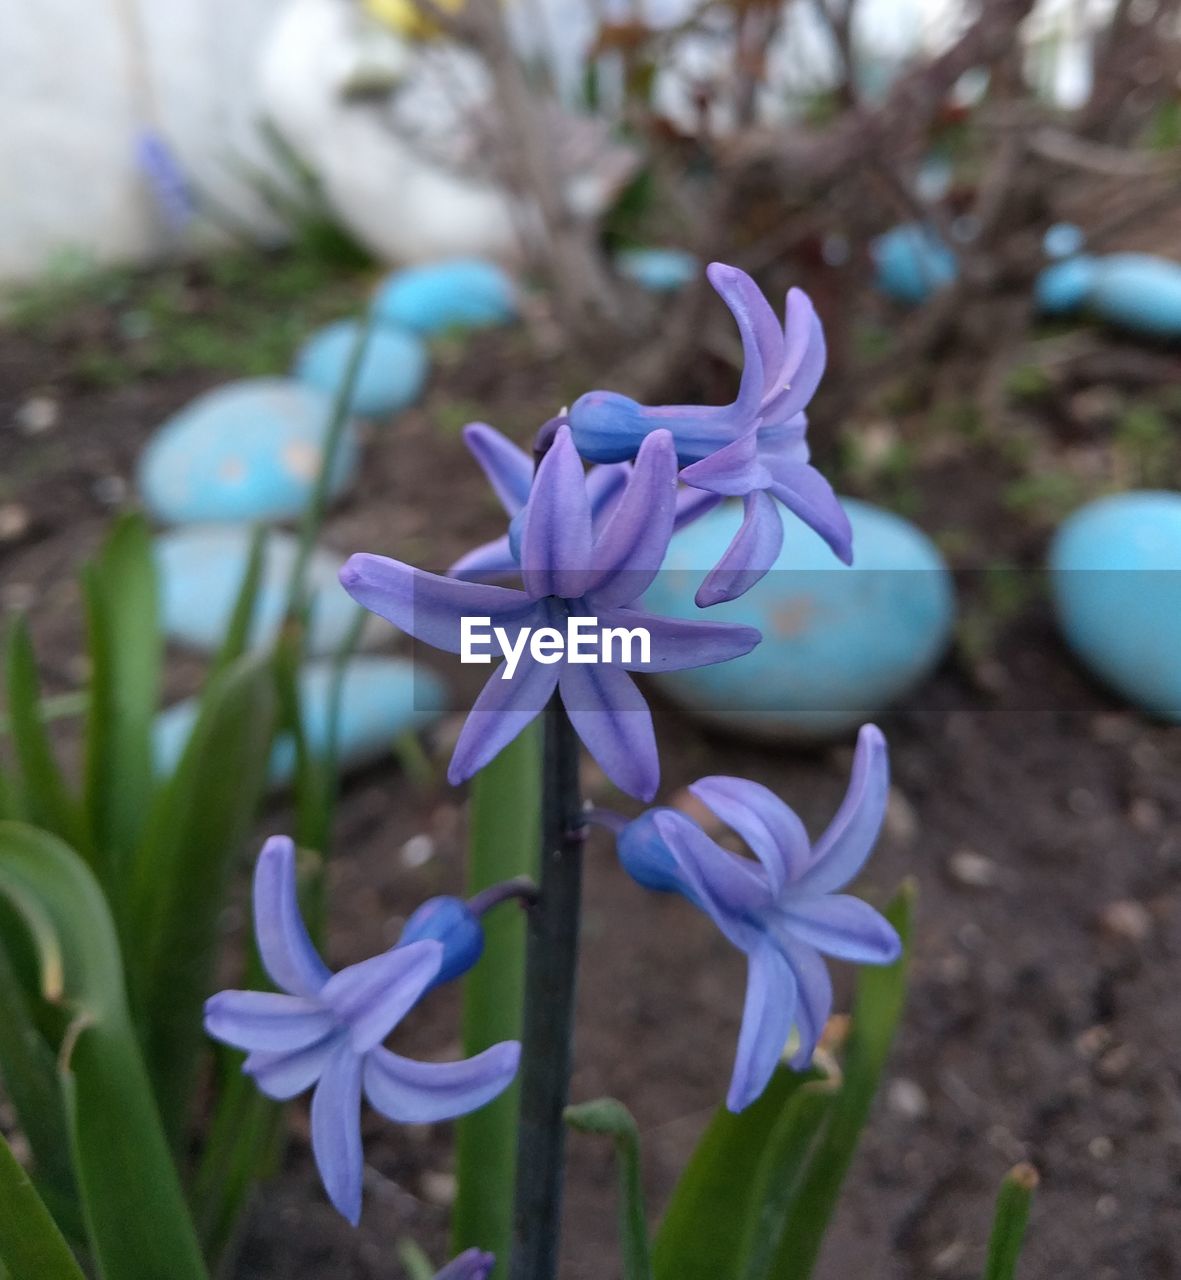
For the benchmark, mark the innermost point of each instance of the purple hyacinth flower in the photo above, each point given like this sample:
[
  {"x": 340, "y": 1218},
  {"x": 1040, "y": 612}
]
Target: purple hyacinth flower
[
  {"x": 754, "y": 448},
  {"x": 569, "y": 574},
  {"x": 326, "y": 1030},
  {"x": 510, "y": 472},
  {"x": 782, "y": 910},
  {"x": 472, "y": 1264}
]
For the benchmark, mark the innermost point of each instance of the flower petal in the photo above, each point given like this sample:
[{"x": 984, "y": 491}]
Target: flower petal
[
  {"x": 794, "y": 383},
  {"x": 493, "y": 559},
  {"x": 556, "y": 538},
  {"x": 423, "y": 1092},
  {"x": 751, "y": 555},
  {"x": 611, "y": 717},
  {"x": 472, "y": 1264},
  {"x": 841, "y": 851},
  {"x": 732, "y": 471},
  {"x": 767, "y": 1016},
  {"x": 842, "y": 926},
  {"x": 814, "y": 987},
  {"x": 508, "y": 467},
  {"x": 284, "y": 946},
  {"x": 774, "y": 833},
  {"x": 645, "y": 857},
  {"x": 262, "y": 1020},
  {"x": 692, "y": 504},
  {"x": 732, "y": 891},
  {"x": 336, "y": 1131},
  {"x": 804, "y": 491},
  {"x": 628, "y": 553},
  {"x": 762, "y": 337},
  {"x": 427, "y": 605},
  {"x": 609, "y": 427},
  {"x": 502, "y": 710},
  {"x": 286, "y": 1075},
  {"x": 373, "y": 996},
  {"x": 604, "y": 487},
  {"x": 680, "y": 643}
]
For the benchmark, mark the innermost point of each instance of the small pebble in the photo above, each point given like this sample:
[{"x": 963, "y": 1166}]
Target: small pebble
[
  {"x": 418, "y": 851},
  {"x": 438, "y": 1187},
  {"x": 948, "y": 1258},
  {"x": 1106, "y": 1206},
  {"x": 38, "y": 414},
  {"x": 906, "y": 1098},
  {"x": 902, "y": 823},
  {"x": 1101, "y": 1148},
  {"x": 1145, "y": 815},
  {"x": 967, "y": 867},
  {"x": 14, "y": 522},
  {"x": 1114, "y": 1064},
  {"x": 1126, "y": 920}
]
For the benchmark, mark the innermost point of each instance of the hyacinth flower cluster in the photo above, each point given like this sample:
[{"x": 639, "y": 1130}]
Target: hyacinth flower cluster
[{"x": 586, "y": 545}]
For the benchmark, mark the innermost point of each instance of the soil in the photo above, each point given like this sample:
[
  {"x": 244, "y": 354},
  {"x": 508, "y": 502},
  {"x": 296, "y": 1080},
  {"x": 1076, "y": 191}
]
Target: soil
[{"x": 1040, "y": 817}]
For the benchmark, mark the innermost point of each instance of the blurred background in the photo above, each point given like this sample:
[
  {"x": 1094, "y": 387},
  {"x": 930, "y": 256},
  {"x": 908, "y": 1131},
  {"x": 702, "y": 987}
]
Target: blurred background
[{"x": 204, "y": 198}]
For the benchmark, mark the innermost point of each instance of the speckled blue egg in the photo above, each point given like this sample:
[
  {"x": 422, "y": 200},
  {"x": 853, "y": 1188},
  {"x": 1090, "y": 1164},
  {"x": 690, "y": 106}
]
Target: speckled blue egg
[
  {"x": 392, "y": 374},
  {"x": 201, "y": 568},
  {"x": 659, "y": 270},
  {"x": 381, "y": 699},
  {"x": 1115, "y": 574},
  {"x": 839, "y": 644},
  {"x": 1140, "y": 292},
  {"x": 911, "y": 263},
  {"x": 461, "y": 293},
  {"x": 250, "y": 450}
]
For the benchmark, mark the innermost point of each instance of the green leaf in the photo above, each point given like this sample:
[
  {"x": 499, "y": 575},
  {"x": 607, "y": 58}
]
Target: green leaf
[
  {"x": 505, "y": 842},
  {"x": 414, "y": 1260},
  {"x": 199, "y": 824},
  {"x": 702, "y": 1234},
  {"x": 126, "y": 653},
  {"x": 611, "y": 1118},
  {"x": 30, "y": 1243},
  {"x": 1008, "y": 1227},
  {"x": 135, "y": 1213},
  {"x": 46, "y": 798},
  {"x": 877, "y": 1007},
  {"x": 237, "y": 637}
]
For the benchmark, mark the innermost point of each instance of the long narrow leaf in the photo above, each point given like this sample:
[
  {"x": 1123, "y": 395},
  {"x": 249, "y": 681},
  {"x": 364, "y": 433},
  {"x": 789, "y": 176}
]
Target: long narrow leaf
[
  {"x": 505, "y": 842},
  {"x": 611, "y": 1118},
  {"x": 30, "y": 1243},
  {"x": 236, "y": 640},
  {"x": 135, "y": 1213},
  {"x": 1008, "y": 1226}
]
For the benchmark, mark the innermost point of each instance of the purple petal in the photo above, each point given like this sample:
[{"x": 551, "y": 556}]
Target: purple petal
[
  {"x": 804, "y": 491},
  {"x": 494, "y": 559},
  {"x": 692, "y": 504},
  {"x": 609, "y": 427},
  {"x": 731, "y": 890},
  {"x": 841, "y": 851},
  {"x": 767, "y": 1015},
  {"x": 604, "y": 487},
  {"x": 773, "y": 832},
  {"x": 502, "y": 710},
  {"x": 751, "y": 555},
  {"x": 286, "y": 1075},
  {"x": 814, "y": 987},
  {"x": 374, "y": 996},
  {"x": 732, "y": 471},
  {"x": 680, "y": 643},
  {"x": 629, "y": 552},
  {"x": 472, "y": 1264},
  {"x": 428, "y": 606},
  {"x": 423, "y": 1092},
  {"x": 556, "y": 539},
  {"x": 794, "y": 383},
  {"x": 762, "y": 338},
  {"x": 284, "y": 946},
  {"x": 842, "y": 926},
  {"x": 262, "y": 1020},
  {"x": 509, "y": 468},
  {"x": 336, "y": 1131},
  {"x": 611, "y": 717},
  {"x": 785, "y": 441}
]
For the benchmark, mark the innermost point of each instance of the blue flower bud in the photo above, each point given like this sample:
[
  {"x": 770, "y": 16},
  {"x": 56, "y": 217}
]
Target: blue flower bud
[{"x": 449, "y": 921}]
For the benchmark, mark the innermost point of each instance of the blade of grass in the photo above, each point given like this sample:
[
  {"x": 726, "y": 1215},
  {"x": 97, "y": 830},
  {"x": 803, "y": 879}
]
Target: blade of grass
[
  {"x": 505, "y": 842},
  {"x": 1008, "y": 1226},
  {"x": 237, "y": 637}
]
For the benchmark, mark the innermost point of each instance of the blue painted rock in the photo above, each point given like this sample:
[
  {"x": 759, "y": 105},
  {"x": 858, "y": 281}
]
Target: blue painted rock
[
  {"x": 250, "y": 450},
  {"x": 911, "y": 263},
  {"x": 1063, "y": 240},
  {"x": 381, "y": 699},
  {"x": 1064, "y": 286},
  {"x": 392, "y": 373},
  {"x": 659, "y": 270},
  {"x": 461, "y": 293},
  {"x": 1115, "y": 573},
  {"x": 1136, "y": 291},
  {"x": 839, "y": 644},
  {"x": 201, "y": 568}
]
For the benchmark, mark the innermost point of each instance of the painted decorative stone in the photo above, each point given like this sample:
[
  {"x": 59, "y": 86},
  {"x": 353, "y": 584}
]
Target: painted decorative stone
[
  {"x": 1135, "y": 291},
  {"x": 659, "y": 270},
  {"x": 381, "y": 699},
  {"x": 911, "y": 263},
  {"x": 1115, "y": 574},
  {"x": 461, "y": 293},
  {"x": 839, "y": 644},
  {"x": 392, "y": 373},
  {"x": 250, "y": 450},
  {"x": 201, "y": 568}
]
